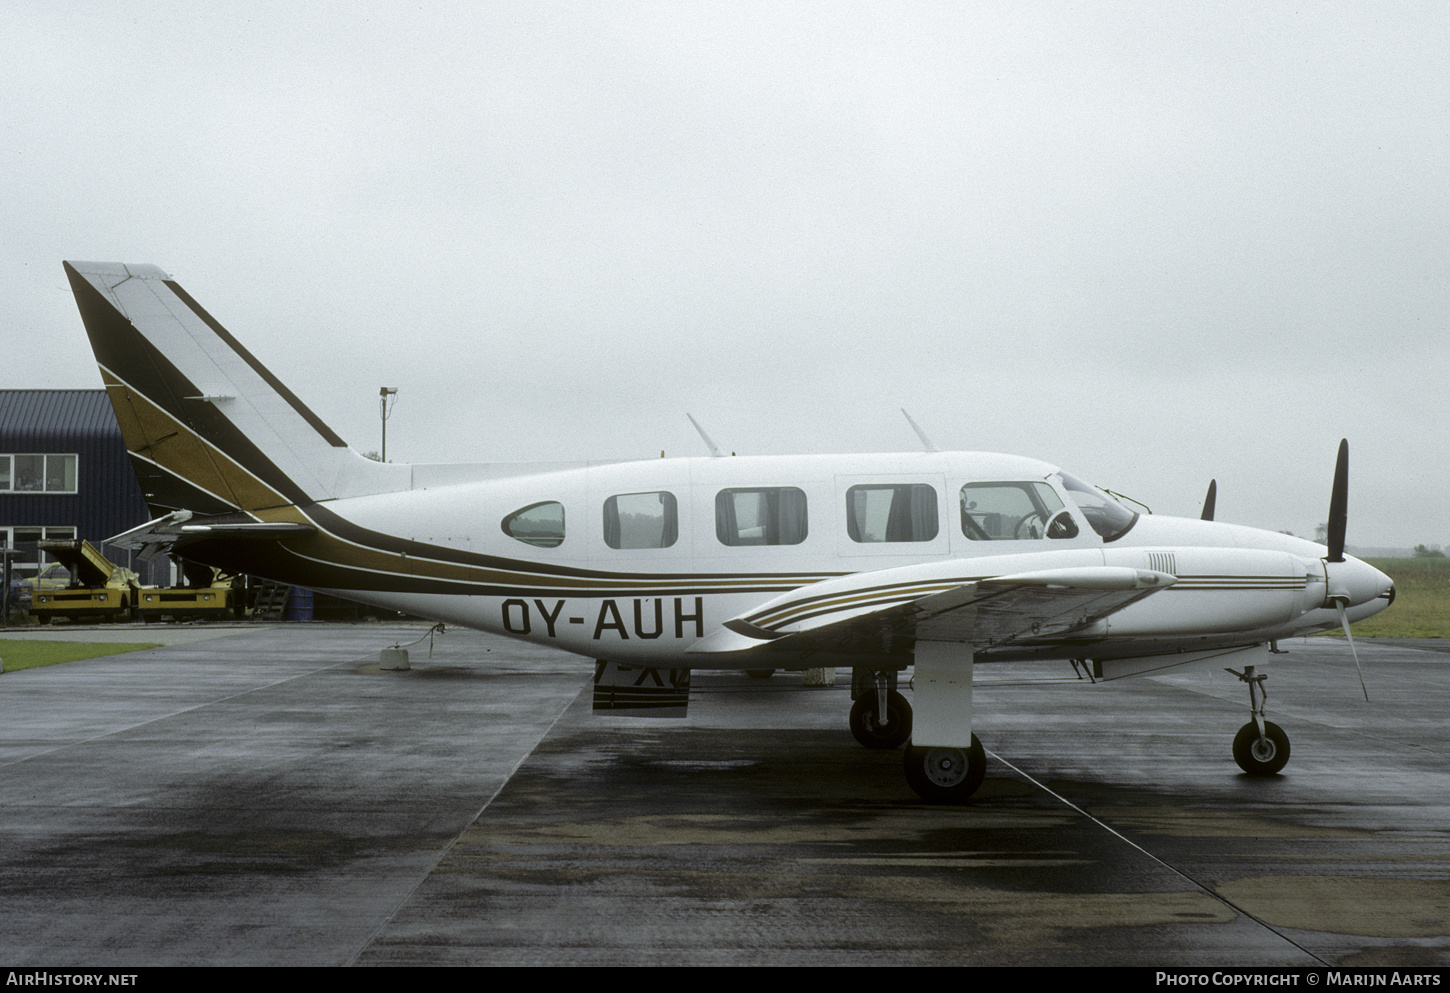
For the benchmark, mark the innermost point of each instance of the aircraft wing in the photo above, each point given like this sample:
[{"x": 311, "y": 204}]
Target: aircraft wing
[{"x": 866, "y": 612}]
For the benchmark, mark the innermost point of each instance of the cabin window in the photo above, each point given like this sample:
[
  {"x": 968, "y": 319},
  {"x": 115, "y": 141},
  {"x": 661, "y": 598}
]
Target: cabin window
[
  {"x": 539, "y": 524},
  {"x": 1010, "y": 511},
  {"x": 641, "y": 520},
  {"x": 891, "y": 512},
  {"x": 767, "y": 516}
]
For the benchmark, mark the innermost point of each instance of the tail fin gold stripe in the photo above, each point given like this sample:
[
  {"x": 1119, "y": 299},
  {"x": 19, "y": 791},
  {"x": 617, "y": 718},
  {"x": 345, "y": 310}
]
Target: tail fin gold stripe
[{"x": 154, "y": 434}]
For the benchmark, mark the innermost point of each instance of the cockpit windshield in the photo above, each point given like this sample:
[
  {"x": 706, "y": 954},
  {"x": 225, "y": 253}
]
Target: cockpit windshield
[{"x": 1106, "y": 516}]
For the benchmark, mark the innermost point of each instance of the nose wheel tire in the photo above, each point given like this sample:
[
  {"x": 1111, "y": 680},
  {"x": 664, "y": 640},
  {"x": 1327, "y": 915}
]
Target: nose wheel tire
[
  {"x": 946, "y": 775},
  {"x": 866, "y": 720},
  {"x": 1261, "y": 756}
]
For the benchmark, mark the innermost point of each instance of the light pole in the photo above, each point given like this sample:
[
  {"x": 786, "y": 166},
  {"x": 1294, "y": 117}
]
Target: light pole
[{"x": 383, "y": 411}]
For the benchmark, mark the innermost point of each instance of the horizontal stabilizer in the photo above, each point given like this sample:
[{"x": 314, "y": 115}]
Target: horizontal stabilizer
[{"x": 177, "y": 529}]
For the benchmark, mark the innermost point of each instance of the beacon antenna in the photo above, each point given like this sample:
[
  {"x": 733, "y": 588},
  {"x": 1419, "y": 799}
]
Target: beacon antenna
[
  {"x": 709, "y": 443},
  {"x": 925, "y": 441}
]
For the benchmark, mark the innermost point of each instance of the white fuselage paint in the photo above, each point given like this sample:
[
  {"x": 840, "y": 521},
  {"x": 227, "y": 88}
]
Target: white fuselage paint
[{"x": 1235, "y": 584}]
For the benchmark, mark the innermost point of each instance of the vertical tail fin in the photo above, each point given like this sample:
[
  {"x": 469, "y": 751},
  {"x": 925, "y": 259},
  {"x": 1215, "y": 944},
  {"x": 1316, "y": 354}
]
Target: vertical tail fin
[{"x": 209, "y": 428}]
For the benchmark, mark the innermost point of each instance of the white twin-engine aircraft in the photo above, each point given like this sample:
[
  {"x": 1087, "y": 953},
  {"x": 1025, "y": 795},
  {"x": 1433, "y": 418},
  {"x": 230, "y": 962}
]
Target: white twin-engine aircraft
[{"x": 930, "y": 560}]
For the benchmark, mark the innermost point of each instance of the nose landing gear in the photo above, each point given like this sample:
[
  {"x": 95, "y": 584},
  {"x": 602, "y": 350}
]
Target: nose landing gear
[
  {"x": 1261, "y": 753},
  {"x": 1261, "y": 748}
]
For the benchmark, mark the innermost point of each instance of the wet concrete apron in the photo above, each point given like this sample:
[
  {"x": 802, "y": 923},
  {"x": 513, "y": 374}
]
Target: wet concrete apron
[
  {"x": 1113, "y": 828},
  {"x": 271, "y": 797}
]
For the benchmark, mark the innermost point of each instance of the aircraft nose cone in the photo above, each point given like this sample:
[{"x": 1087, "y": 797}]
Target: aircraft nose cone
[
  {"x": 1358, "y": 582},
  {"x": 1383, "y": 585}
]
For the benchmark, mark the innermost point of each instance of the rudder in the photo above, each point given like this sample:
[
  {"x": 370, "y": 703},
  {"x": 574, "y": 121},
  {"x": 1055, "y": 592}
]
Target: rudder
[{"x": 209, "y": 428}]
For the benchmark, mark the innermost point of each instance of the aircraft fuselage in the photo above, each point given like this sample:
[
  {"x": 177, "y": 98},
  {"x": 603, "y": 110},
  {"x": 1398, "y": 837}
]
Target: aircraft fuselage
[{"x": 446, "y": 552}]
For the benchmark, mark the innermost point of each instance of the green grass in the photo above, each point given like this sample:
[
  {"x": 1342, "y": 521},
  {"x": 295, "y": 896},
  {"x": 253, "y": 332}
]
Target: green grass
[
  {"x": 1422, "y": 601},
  {"x": 25, "y": 654}
]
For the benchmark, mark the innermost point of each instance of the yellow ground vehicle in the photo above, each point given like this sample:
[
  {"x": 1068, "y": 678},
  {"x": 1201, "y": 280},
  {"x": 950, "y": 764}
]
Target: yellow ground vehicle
[
  {"x": 221, "y": 600},
  {"x": 98, "y": 589}
]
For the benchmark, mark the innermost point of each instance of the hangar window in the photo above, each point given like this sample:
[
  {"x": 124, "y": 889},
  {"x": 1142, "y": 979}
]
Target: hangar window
[
  {"x": 31, "y": 560},
  {"x": 1010, "y": 511},
  {"x": 766, "y": 516},
  {"x": 891, "y": 512},
  {"x": 641, "y": 520},
  {"x": 539, "y": 524},
  {"x": 38, "y": 473}
]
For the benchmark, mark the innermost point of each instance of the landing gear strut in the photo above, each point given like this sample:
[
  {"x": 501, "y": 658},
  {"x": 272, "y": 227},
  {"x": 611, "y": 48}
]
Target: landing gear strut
[
  {"x": 1261, "y": 748},
  {"x": 880, "y": 717},
  {"x": 944, "y": 762},
  {"x": 874, "y": 731}
]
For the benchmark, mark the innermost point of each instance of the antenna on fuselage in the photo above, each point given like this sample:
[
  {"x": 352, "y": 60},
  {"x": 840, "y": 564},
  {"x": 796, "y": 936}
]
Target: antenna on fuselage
[
  {"x": 709, "y": 443},
  {"x": 925, "y": 441}
]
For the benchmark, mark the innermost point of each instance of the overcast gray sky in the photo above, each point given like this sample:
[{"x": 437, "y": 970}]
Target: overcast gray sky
[{"x": 1153, "y": 243}]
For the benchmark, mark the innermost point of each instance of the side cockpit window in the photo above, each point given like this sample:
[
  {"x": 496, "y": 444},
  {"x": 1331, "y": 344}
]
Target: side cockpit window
[
  {"x": 539, "y": 524},
  {"x": 641, "y": 520},
  {"x": 766, "y": 516},
  {"x": 891, "y": 512},
  {"x": 1013, "y": 512}
]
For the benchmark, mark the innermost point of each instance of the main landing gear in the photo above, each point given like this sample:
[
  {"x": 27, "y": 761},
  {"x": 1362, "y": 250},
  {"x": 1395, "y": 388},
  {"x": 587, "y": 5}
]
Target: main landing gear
[
  {"x": 945, "y": 775},
  {"x": 1261, "y": 748},
  {"x": 881, "y": 718}
]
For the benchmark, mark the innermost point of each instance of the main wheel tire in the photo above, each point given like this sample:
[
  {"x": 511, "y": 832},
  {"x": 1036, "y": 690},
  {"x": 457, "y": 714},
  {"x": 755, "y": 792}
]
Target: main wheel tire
[
  {"x": 1261, "y": 756},
  {"x": 866, "y": 721},
  {"x": 946, "y": 775}
]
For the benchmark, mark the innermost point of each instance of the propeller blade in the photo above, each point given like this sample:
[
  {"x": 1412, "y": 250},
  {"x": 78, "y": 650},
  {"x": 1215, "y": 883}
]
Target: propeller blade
[
  {"x": 1338, "y": 504},
  {"x": 1338, "y": 517},
  {"x": 1209, "y": 500},
  {"x": 1344, "y": 622}
]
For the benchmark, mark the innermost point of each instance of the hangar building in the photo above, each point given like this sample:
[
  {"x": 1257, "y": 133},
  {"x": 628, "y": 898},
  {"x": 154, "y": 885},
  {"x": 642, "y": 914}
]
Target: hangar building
[{"x": 65, "y": 474}]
